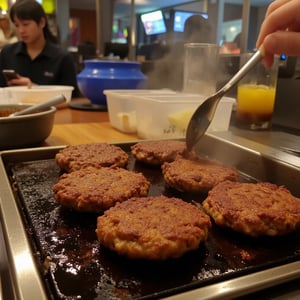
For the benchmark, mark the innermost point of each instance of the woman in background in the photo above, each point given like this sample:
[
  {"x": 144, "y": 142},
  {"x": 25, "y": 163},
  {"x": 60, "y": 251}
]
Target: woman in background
[
  {"x": 7, "y": 33},
  {"x": 36, "y": 58}
]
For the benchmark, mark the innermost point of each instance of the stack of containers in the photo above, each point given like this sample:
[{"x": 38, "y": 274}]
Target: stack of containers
[
  {"x": 121, "y": 106},
  {"x": 160, "y": 114}
]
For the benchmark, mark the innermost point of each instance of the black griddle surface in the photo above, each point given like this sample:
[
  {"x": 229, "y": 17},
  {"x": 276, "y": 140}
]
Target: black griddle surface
[{"x": 81, "y": 268}]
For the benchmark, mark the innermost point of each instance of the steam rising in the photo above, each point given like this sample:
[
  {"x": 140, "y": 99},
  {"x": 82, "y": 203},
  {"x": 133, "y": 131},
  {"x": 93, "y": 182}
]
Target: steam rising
[{"x": 168, "y": 71}]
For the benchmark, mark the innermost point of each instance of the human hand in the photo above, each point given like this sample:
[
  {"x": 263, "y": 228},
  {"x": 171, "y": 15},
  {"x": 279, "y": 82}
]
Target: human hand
[
  {"x": 280, "y": 31},
  {"x": 20, "y": 80}
]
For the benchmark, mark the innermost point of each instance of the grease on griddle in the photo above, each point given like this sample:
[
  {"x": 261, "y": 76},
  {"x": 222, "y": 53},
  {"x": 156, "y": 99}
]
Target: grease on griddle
[{"x": 80, "y": 268}]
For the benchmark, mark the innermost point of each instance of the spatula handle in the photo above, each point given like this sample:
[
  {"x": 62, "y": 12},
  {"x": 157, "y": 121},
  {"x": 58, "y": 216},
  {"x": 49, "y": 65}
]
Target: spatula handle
[{"x": 46, "y": 104}]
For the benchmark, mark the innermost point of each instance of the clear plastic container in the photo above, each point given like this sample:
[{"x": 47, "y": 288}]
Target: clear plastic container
[
  {"x": 121, "y": 106},
  {"x": 167, "y": 116}
]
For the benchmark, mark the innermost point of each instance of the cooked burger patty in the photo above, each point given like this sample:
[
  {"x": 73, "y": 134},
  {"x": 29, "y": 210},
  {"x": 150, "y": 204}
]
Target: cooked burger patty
[
  {"x": 97, "y": 155},
  {"x": 153, "y": 228},
  {"x": 94, "y": 190},
  {"x": 255, "y": 209},
  {"x": 158, "y": 152},
  {"x": 197, "y": 175}
]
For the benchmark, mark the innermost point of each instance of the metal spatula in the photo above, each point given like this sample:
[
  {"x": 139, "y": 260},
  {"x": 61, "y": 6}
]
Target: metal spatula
[{"x": 204, "y": 114}]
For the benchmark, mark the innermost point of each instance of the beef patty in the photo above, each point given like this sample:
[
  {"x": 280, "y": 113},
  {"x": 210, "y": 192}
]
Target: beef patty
[
  {"x": 158, "y": 152},
  {"x": 255, "y": 209},
  {"x": 97, "y": 155},
  {"x": 197, "y": 175},
  {"x": 153, "y": 228},
  {"x": 95, "y": 190}
]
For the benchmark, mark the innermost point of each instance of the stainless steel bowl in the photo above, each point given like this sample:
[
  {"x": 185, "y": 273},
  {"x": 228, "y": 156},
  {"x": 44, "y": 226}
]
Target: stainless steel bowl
[{"x": 24, "y": 131}]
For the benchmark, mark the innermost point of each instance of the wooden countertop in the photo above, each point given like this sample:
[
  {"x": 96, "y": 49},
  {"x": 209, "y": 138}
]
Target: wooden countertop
[
  {"x": 80, "y": 133},
  {"x": 74, "y": 126}
]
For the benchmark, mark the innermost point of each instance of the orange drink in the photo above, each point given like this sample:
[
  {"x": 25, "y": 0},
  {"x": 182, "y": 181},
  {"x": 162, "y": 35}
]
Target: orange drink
[
  {"x": 256, "y": 95},
  {"x": 255, "y": 103}
]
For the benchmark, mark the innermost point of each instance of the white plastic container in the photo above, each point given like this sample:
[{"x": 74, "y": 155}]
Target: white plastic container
[
  {"x": 38, "y": 93},
  {"x": 6, "y": 98},
  {"x": 167, "y": 116},
  {"x": 121, "y": 106}
]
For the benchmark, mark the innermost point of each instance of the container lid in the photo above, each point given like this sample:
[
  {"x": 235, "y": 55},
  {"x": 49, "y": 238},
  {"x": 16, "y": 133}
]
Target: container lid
[{"x": 179, "y": 98}]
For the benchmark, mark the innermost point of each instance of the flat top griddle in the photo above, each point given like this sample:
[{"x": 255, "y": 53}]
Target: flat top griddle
[{"x": 74, "y": 265}]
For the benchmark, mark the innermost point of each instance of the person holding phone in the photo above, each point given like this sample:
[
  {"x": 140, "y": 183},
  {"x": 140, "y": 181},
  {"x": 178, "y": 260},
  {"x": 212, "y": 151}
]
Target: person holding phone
[
  {"x": 36, "y": 58},
  {"x": 280, "y": 30}
]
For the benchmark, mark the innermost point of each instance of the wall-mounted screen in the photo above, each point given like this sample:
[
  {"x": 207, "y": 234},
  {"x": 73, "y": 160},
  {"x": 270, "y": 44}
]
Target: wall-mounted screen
[
  {"x": 180, "y": 17},
  {"x": 154, "y": 22},
  {"x": 230, "y": 29}
]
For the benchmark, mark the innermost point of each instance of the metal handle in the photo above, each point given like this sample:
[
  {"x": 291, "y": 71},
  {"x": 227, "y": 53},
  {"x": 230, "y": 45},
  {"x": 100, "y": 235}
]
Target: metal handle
[
  {"x": 46, "y": 104},
  {"x": 243, "y": 71}
]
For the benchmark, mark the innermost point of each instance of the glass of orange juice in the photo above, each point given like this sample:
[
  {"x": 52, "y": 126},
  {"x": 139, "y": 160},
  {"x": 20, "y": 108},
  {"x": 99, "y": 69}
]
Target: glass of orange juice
[{"x": 256, "y": 95}]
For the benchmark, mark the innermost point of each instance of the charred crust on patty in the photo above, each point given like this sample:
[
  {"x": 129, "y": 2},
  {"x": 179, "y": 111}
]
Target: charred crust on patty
[
  {"x": 98, "y": 155},
  {"x": 158, "y": 152},
  {"x": 196, "y": 175},
  {"x": 153, "y": 228},
  {"x": 95, "y": 190},
  {"x": 254, "y": 209}
]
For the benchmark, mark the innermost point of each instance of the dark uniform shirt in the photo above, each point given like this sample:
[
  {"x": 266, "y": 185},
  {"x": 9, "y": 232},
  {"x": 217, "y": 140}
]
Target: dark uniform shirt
[{"x": 53, "y": 66}]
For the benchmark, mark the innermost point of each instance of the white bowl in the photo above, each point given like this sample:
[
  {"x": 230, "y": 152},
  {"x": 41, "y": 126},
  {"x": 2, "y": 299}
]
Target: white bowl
[{"x": 38, "y": 93}]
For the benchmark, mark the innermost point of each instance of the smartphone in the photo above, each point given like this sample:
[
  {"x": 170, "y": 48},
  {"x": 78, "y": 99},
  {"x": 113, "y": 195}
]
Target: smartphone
[{"x": 9, "y": 74}]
